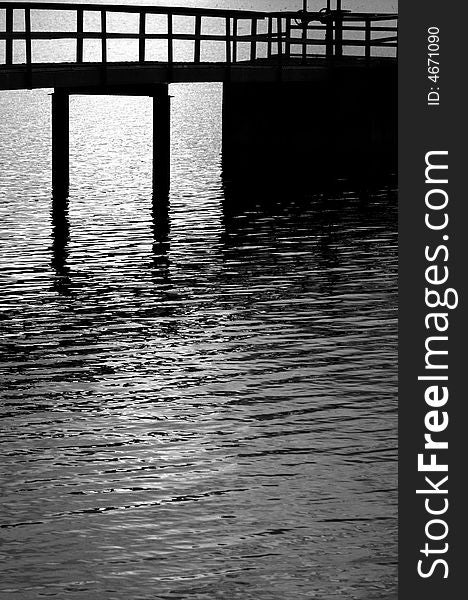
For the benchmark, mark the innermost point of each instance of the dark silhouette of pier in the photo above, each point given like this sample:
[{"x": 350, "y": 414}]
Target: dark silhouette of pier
[{"x": 305, "y": 87}]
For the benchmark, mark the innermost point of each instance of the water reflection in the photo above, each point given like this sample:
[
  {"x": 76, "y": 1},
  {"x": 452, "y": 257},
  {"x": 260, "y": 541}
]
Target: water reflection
[
  {"x": 60, "y": 240},
  {"x": 199, "y": 389},
  {"x": 161, "y": 230},
  {"x": 60, "y": 233}
]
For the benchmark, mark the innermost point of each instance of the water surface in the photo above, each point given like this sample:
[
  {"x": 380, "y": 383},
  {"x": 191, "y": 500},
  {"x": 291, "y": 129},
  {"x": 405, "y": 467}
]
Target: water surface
[{"x": 198, "y": 404}]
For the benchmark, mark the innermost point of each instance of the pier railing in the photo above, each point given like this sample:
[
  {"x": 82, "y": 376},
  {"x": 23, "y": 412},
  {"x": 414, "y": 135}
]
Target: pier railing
[
  {"x": 293, "y": 35},
  {"x": 244, "y": 36}
]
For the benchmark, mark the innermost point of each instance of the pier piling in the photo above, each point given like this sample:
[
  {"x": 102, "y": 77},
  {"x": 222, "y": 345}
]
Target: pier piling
[
  {"x": 161, "y": 131},
  {"x": 60, "y": 141},
  {"x": 162, "y": 140}
]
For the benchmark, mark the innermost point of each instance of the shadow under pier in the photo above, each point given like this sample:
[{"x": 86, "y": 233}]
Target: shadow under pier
[{"x": 344, "y": 123}]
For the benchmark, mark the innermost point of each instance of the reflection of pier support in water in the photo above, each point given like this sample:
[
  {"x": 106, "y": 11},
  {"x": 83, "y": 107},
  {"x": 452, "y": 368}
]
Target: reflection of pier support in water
[
  {"x": 60, "y": 239},
  {"x": 343, "y": 121},
  {"x": 161, "y": 231},
  {"x": 161, "y": 130}
]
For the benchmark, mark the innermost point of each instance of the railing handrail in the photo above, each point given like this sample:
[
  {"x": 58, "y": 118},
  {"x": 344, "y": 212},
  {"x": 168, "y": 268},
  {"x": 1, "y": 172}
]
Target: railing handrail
[
  {"x": 187, "y": 11},
  {"x": 132, "y": 8},
  {"x": 344, "y": 16}
]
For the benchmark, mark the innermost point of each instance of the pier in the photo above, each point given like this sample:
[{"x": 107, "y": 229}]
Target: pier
[{"x": 313, "y": 83}]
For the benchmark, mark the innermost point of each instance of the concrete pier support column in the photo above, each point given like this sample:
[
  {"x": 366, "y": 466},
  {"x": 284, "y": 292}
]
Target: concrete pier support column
[
  {"x": 60, "y": 141},
  {"x": 162, "y": 140}
]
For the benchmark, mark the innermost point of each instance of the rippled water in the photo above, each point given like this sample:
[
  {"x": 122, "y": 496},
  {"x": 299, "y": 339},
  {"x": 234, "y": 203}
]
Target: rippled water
[
  {"x": 207, "y": 414},
  {"x": 199, "y": 404}
]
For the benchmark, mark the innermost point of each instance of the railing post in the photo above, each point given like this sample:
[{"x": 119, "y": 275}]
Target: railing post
[
  {"x": 170, "y": 40},
  {"x": 339, "y": 35},
  {"x": 27, "y": 36},
  {"x": 368, "y": 39},
  {"x": 270, "y": 37},
  {"x": 79, "y": 35},
  {"x": 235, "y": 24},
  {"x": 142, "y": 37},
  {"x": 253, "y": 43},
  {"x": 104, "y": 36},
  {"x": 228, "y": 41},
  {"x": 27, "y": 41},
  {"x": 287, "y": 45},
  {"x": 9, "y": 36},
  {"x": 279, "y": 29},
  {"x": 198, "y": 25},
  {"x": 329, "y": 37},
  {"x": 305, "y": 32}
]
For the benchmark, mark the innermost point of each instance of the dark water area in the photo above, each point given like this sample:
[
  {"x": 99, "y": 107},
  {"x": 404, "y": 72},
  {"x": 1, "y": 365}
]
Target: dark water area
[{"x": 198, "y": 392}]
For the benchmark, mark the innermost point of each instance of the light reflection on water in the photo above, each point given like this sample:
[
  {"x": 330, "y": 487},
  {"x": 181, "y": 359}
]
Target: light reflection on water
[{"x": 202, "y": 406}]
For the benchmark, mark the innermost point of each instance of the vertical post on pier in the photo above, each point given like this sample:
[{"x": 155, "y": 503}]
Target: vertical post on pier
[
  {"x": 104, "y": 47},
  {"x": 60, "y": 141},
  {"x": 253, "y": 39},
  {"x": 9, "y": 36},
  {"x": 79, "y": 35},
  {"x": 142, "y": 37},
  {"x": 305, "y": 30},
  {"x": 235, "y": 32},
  {"x": 170, "y": 40},
  {"x": 197, "y": 51},
  {"x": 103, "y": 37},
  {"x": 288, "y": 37},
  {"x": 368, "y": 39},
  {"x": 339, "y": 30},
  {"x": 162, "y": 140},
  {"x": 279, "y": 29},
  {"x": 329, "y": 37},
  {"x": 228, "y": 42},
  {"x": 305, "y": 36},
  {"x": 270, "y": 37},
  {"x": 27, "y": 40}
]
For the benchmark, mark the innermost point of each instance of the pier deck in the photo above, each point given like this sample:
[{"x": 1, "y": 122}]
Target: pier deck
[
  {"x": 95, "y": 44},
  {"x": 129, "y": 74}
]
